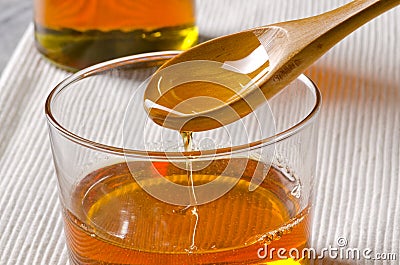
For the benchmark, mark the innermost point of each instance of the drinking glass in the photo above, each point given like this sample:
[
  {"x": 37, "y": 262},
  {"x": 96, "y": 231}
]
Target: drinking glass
[{"x": 132, "y": 194}]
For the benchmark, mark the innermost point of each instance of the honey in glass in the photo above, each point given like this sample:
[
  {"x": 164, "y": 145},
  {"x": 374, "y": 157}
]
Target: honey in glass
[{"x": 76, "y": 34}]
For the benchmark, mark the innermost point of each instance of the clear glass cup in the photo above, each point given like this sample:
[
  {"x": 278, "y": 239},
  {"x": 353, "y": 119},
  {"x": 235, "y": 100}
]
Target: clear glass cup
[{"x": 131, "y": 194}]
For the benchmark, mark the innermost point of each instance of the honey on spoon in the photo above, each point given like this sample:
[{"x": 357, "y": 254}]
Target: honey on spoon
[{"x": 220, "y": 81}]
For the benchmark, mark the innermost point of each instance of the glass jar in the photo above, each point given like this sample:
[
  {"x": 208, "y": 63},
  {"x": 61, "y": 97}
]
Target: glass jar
[{"x": 79, "y": 33}]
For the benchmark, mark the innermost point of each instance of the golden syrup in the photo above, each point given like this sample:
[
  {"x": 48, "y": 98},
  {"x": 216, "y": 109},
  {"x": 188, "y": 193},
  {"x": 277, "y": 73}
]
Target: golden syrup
[{"x": 114, "y": 221}]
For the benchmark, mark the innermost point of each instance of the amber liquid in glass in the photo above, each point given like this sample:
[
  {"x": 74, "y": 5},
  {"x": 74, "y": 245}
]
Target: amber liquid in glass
[
  {"x": 114, "y": 221},
  {"x": 79, "y": 33}
]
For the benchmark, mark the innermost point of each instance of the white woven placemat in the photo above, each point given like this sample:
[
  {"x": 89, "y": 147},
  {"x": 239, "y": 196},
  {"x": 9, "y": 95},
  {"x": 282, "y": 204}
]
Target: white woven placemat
[{"x": 358, "y": 168}]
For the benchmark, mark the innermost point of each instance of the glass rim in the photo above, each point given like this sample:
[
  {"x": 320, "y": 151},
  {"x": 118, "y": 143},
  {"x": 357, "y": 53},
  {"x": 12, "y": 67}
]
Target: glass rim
[{"x": 159, "y": 56}]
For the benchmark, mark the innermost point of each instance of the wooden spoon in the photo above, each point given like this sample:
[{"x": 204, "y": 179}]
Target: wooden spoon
[{"x": 247, "y": 68}]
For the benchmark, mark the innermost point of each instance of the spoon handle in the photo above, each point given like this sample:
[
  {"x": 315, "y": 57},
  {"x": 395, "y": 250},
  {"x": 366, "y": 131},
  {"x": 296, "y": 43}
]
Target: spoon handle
[
  {"x": 334, "y": 25},
  {"x": 314, "y": 36}
]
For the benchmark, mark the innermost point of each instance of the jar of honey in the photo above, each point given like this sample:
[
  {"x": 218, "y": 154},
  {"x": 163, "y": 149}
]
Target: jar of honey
[{"x": 75, "y": 34}]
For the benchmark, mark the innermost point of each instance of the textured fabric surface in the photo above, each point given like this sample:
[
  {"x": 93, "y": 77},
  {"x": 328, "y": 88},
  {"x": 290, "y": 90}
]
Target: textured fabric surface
[{"x": 358, "y": 166}]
